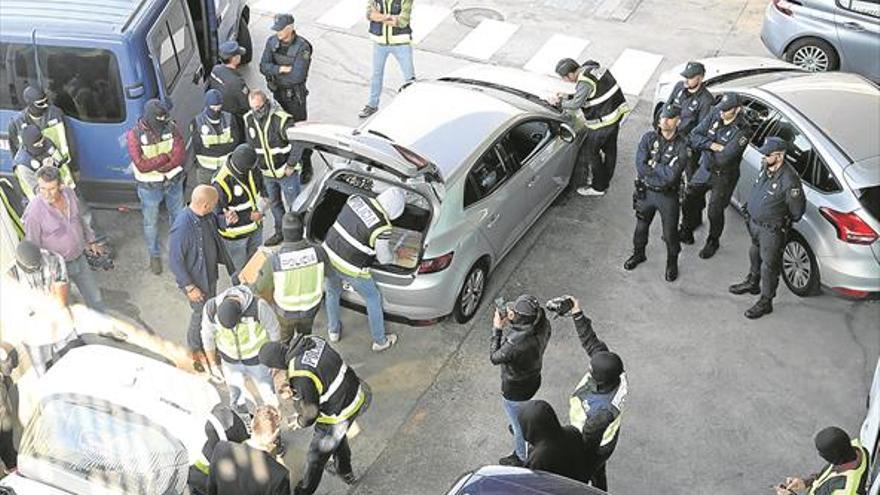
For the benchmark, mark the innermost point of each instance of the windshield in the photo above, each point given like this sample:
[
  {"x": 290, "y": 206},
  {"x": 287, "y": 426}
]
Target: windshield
[
  {"x": 104, "y": 444},
  {"x": 83, "y": 82}
]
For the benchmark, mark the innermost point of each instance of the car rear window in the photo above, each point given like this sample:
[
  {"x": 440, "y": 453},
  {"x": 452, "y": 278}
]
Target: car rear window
[
  {"x": 869, "y": 197},
  {"x": 83, "y": 82}
]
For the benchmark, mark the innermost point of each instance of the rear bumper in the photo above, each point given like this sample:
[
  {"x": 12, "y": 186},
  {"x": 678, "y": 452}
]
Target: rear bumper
[
  {"x": 853, "y": 274},
  {"x": 775, "y": 31}
]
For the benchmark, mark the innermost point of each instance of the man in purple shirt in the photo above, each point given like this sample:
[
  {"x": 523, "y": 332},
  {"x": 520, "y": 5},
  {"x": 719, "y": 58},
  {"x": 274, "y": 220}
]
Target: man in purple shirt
[{"x": 53, "y": 222}]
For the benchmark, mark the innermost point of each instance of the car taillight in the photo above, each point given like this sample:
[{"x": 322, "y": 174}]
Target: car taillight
[
  {"x": 435, "y": 265},
  {"x": 853, "y": 293},
  {"x": 784, "y": 6},
  {"x": 850, "y": 228}
]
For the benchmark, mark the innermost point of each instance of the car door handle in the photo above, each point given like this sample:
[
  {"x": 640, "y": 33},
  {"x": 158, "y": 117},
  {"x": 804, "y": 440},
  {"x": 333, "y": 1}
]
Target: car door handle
[
  {"x": 853, "y": 26},
  {"x": 533, "y": 181},
  {"x": 494, "y": 218}
]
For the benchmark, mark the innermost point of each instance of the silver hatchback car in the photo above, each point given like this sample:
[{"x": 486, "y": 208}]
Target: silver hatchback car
[
  {"x": 823, "y": 35},
  {"x": 480, "y": 154},
  {"x": 831, "y": 122}
]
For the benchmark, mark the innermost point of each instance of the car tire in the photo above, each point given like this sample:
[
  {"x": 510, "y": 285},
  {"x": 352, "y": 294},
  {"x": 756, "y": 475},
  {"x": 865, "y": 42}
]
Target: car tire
[
  {"x": 245, "y": 41},
  {"x": 813, "y": 54},
  {"x": 471, "y": 293},
  {"x": 799, "y": 268}
]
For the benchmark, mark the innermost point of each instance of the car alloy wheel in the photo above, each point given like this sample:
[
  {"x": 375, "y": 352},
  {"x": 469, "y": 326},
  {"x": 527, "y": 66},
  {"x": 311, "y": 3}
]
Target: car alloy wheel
[
  {"x": 799, "y": 270},
  {"x": 812, "y": 58},
  {"x": 471, "y": 293}
]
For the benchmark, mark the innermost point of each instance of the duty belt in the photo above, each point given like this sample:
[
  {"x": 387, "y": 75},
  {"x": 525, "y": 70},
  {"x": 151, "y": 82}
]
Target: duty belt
[
  {"x": 768, "y": 226},
  {"x": 664, "y": 190}
]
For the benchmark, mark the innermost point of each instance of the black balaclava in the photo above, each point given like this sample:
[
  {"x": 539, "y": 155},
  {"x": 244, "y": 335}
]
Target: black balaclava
[
  {"x": 36, "y": 100},
  {"x": 834, "y": 446},
  {"x": 156, "y": 114},
  {"x": 28, "y": 256},
  {"x": 242, "y": 159},
  {"x": 273, "y": 355},
  {"x": 32, "y": 140},
  {"x": 292, "y": 227},
  {"x": 606, "y": 368},
  {"x": 229, "y": 313},
  {"x": 213, "y": 98}
]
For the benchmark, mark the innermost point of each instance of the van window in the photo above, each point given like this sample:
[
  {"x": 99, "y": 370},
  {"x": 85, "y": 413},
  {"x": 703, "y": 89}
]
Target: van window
[
  {"x": 83, "y": 82},
  {"x": 174, "y": 43}
]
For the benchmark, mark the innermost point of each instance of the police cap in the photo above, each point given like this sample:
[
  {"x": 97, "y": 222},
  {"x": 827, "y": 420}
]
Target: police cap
[
  {"x": 231, "y": 48},
  {"x": 670, "y": 111},
  {"x": 773, "y": 144},
  {"x": 728, "y": 101},
  {"x": 282, "y": 21},
  {"x": 693, "y": 69}
]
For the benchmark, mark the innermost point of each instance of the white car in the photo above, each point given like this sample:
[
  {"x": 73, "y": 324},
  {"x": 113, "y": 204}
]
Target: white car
[
  {"x": 870, "y": 435},
  {"x": 112, "y": 420}
]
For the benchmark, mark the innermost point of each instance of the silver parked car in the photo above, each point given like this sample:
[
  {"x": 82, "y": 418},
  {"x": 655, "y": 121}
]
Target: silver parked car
[
  {"x": 823, "y": 35},
  {"x": 480, "y": 154},
  {"x": 831, "y": 122}
]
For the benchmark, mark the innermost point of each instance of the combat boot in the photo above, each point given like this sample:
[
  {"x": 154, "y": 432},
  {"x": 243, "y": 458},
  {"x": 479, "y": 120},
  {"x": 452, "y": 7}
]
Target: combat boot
[
  {"x": 686, "y": 236},
  {"x": 750, "y": 285},
  {"x": 671, "y": 268},
  {"x": 710, "y": 248},
  {"x": 764, "y": 306},
  {"x": 638, "y": 257}
]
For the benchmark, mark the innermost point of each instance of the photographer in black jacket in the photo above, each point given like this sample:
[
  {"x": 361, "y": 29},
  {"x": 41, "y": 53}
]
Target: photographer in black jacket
[{"x": 520, "y": 353}]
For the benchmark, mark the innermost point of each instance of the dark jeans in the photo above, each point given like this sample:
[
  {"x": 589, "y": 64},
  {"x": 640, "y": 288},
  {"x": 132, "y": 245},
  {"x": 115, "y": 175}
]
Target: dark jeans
[
  {"x": 282, "y": 192},
  {"x": 328, "y": 440},
  {"x": 722, "y": 186},
  {"x": 667, "y": 205},
  {"x": 79, "y": 272},
  {"x": 765, "y": 257},
  {"x": 600, "y": 479},
  {"x": 289, "y": 326},
  {"x": 600, "y": 155},
  {"x": 194, "y": 331},
  {"x": 293, "y": 101}
]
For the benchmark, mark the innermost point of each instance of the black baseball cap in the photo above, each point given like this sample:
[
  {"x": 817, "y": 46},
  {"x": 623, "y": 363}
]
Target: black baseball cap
[
  {"x": 670, "y": 111},
  {"x": 693, "y": 69},
  {"x": 772, "y": 145},
  {"x": 728, "y": 101},
  {"x": 231, "y": 48},
  {"x": 282, "y": 21}
]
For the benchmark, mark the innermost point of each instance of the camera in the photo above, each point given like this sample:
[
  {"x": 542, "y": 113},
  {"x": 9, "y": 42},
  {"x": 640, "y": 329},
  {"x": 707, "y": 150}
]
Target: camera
[
  {"x": 561, "y": 306},
  {"x": 501, "y": 305}
]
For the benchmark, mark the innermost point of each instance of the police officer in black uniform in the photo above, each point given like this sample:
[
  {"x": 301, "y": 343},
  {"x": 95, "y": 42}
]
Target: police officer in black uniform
[
  {"x": 285, "y": 64},
  {"x": 721, "y": 140},
  {"x": 215, "y": 133},
  {"x": 661, "y": 158},
  {"x": 695, "y": 101},
  {"x": 776, "y": 201},
  {"x": 227, "y": 78}
]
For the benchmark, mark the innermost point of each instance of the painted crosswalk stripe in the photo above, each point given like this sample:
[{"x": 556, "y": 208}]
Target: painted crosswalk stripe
[
  {"x": 634, "y": 68},
  {"x": 275, "y": 6},
  {"x": 344, "y": 15},
  {"x": 426, "y": 17},
  {"x": 485, "y": 39},
  {"x": 559, "y": 46}
]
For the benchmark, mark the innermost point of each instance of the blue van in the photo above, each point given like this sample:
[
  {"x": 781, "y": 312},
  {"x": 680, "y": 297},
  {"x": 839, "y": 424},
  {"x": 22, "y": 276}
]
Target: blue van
[{"x": 101, "y": 60}]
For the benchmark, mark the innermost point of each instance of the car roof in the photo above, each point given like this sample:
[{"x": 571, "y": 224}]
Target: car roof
[
  {"x": 92, "y": 16},
  {"x": 846, "y": 107},
  {"x": 444, "y": 122},
  {"x": 521, "y": 481}
]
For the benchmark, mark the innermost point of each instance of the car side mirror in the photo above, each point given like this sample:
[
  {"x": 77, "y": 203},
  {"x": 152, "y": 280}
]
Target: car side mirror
[{"x": 566, "y": 133}]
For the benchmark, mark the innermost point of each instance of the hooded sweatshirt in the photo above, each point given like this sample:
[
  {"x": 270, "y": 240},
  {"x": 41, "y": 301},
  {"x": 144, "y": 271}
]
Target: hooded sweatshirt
[
  {"x": 245, "y": 297},
  {"x": 554, "y": 448}
]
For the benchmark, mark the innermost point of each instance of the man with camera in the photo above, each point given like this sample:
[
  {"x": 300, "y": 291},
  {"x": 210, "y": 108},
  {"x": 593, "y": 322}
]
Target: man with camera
[
  {"x": 597, "y": 400},
  {"x": 520, "y": 353}
]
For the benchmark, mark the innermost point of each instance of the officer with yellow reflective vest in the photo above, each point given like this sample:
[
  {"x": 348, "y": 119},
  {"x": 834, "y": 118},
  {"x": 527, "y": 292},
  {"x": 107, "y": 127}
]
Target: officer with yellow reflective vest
[
  {"x": 13, "y": 202},
  {"x": 601, "y": 99},
  {"x": 221, "y": 425},
  {"x": 295, "y": 276},
  {"x": 845, "y": 474},
  {"x": 238, "y": 215},
  {"x": 266, "y": 127},
  {"x": 329, "y": 395},
  {"x": 598, "y": 399},
  {"x": 215, "y": 133},
  {"x": 391, "y": 33},
  {"x": 360, "y": 237},
  {"x": 35, "y": 152},
  {"x": 235, "y": 325},
  {"x": 48, "y": 118}
]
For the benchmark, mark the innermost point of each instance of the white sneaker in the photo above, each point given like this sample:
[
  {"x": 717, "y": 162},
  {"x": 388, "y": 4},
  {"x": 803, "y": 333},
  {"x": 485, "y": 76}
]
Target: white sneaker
[
  {"x": 589, "y": 191},
  {"x": 390, "y": 340},
  {"x": 334, "y": 336}
]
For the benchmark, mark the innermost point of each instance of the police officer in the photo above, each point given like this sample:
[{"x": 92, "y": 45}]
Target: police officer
[
  {"x": 221, "y": 425},
  {"x": 330, "y": 396},
  {"x": 48, "y": 118},
  {"x": 285, "y": 64},
  {"x": 214, "y": 135},
  {"x": 35, "y": 152},
  {"x": 776, "y": 201},
  {"x": 845, "y": 474},
  {"x": 227, "y": 79},
  {"x": 695, "y": 101},
  {"x": 721, "y": 140},
  {"x": 660, "y": 160},
  {"x": 600, "y": 98},
  {"x": 295, "y": 276},
  {"x": 279, "y": 161},
  {"x": 239, "y": 219}
]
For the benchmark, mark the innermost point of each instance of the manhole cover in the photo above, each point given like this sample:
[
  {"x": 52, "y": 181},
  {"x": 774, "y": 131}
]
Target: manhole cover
[{"x": 471, "y": 17}]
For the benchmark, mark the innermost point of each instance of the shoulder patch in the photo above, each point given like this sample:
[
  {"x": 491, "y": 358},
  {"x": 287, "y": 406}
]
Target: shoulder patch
[
  {"x": 312, "y": 356},
  {"x": 743, "y": 140},
  {"x": 306, "y": 54},
  {"x": 794, "y": 192}
]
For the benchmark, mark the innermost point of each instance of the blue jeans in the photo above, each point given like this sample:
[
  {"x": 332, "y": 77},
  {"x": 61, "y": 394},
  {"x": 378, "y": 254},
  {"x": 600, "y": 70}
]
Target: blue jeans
[
  {"x": 236, "y": 373},
  {"x": 282, "y": 193},
  {"x": 151, "y": 195},
  {"x": 367, "y": 288},
  {"x": 241, "y": 250},
  {"x": 512, "y": 408},
  {"x": 80, "y": 273},
  {"x": 403, "y": 54}
]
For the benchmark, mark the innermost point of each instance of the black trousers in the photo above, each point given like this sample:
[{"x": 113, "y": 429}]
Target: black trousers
[
  {"x": 293, "y": 101},
  {"x": 667, "y": 204},
  {"x": 600, "y": 479},
  {"x": 721, "y": 186},
  {"x": 765, "y": 256},
  {"x": 328, "y": 440},
  {"x": 289, "y": 326},
  {"x": 599, "y": 155}
]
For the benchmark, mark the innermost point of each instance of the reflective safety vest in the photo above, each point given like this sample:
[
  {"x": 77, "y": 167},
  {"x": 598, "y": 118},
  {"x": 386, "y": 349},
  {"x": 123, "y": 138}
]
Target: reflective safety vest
[
  {"x": 351, "y": 241},
  {"x": 389, "y": 35},
  {"x": 7, "y": 189},
  {"x": 241, "y": 198},
  {"x": 245, "y": 340},
  {"x": 339, "y": 388},
  {"x": 586, "y": 398},
  {"x": 202, "y": 463},
  {"x": 55, "y": 131},
  {"x": 164, "y": 145},
  {"x": 298, "y": 277},
  {"x": 269, "y": 142},
  {"x": 217, "y": 141},
  {"x": 606, "y": 104},
  {"x": 851, "y": 482},
  {"x": 26, "y": 166}
]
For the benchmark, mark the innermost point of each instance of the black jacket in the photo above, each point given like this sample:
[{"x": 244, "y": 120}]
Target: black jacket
[
  {"x": 239, "y": 469},
  {"x": 553, "y": 448},
  {"x": 521, "y": 355}
]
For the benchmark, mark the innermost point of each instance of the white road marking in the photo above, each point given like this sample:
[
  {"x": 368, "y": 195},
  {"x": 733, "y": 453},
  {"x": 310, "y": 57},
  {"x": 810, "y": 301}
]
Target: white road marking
[
  {"x": 276, "y": 6},
  {"x": 559, "y": 46},
  {"x": 633, "y": 69},
  {"x": 426, "y": 17},
  {"x": 344, "y": 14},
  {"x": 485, "y": 39}
]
